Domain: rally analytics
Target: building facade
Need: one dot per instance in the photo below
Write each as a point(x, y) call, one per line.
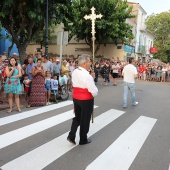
point(144, 38)
point(138, 48)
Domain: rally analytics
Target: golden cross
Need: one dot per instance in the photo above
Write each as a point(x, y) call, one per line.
point(93, 17)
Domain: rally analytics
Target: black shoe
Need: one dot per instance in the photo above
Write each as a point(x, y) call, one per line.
point(86, 142)
point(71, 141)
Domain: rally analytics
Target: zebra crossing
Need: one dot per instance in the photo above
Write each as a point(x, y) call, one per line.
point(113, 158)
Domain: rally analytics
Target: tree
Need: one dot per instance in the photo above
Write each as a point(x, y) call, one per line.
point(23, 19)
point(39, 38)
point(159, 25)
point(111, 28)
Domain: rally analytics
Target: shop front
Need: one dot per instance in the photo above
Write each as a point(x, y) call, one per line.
point(129, 52)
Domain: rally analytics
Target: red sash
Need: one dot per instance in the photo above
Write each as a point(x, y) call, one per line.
point(81, 94)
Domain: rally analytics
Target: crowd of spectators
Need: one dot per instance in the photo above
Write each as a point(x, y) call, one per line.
point(38, 78)
point(155, 72)
point(41, 76)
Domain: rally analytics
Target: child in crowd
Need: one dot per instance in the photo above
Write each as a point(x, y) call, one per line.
point(54, 86)
point(27, 83)
point(48, 87)
point(140, 70)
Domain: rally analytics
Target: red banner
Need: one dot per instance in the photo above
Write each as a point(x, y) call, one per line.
point(153, 49)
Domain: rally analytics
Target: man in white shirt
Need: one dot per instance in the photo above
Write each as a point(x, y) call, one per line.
point(129, 73)
point(84, 91)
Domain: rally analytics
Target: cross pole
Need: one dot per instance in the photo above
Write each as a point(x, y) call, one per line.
point(93, 17)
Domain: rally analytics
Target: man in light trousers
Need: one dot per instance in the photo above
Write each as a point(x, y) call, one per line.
point(129, 74)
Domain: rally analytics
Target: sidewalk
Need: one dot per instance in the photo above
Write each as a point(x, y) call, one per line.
point(4, 101)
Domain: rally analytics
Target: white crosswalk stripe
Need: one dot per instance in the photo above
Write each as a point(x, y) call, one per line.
point(114, 157)
point(30, 113)
point(19, 134)
point(45, 154)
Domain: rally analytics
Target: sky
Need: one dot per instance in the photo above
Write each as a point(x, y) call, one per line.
point(153, 6)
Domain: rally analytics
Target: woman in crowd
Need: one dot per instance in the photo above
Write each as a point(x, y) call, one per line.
point(164, 70)
point(65, 72)
point(12, 85)
point(149, 72)
point(158, 74)
point(37, 93)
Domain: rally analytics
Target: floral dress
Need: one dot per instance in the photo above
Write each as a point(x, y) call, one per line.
point(13, 85)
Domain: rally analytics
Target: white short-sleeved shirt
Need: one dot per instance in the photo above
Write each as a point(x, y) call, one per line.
point(129, 72)
point(82, 79)
point(116, 67)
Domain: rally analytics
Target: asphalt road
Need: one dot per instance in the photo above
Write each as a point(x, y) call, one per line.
point(135, 138)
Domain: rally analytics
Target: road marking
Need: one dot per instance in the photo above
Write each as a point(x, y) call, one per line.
point(121, 153)
point(34, 112)
point(22, 133)
point(42, 156)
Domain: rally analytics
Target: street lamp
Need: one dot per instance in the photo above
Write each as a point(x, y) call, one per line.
point(46, 30)
point(46, 27)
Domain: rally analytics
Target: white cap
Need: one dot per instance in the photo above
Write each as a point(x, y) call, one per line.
point(15, 54)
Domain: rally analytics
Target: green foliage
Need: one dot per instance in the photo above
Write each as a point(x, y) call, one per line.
point(39, 38)
point(23, 19)
point(111, 28)
point(159, 25)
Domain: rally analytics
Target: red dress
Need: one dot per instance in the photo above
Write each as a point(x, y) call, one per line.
point(37, 94)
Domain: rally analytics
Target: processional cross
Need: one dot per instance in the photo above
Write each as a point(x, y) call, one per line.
point(93, 17)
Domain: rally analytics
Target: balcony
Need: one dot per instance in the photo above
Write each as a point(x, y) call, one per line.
point(143, 28)
point(141, 49)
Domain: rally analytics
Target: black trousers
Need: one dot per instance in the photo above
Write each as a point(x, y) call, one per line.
point(83, 112)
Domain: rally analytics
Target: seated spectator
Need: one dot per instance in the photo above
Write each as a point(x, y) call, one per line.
point(64, 72)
